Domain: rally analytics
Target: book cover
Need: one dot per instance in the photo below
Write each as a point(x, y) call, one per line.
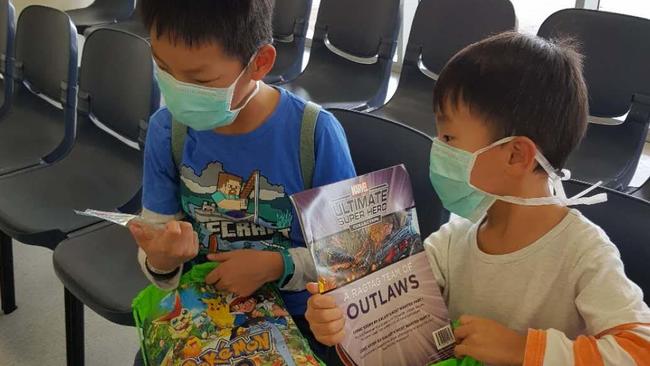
point(364, 237)
point(197, 325)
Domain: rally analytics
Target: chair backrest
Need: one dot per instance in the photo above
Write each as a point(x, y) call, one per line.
point(377, 143)
point(7, 34)
point(122, 7)
point(362, 28)
point(291, 18)
point(122, 93)
point(617, 55)
point(443, 27)
point(625, 220)
point(46, 53)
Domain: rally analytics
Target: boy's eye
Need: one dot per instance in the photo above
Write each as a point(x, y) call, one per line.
point(446, 138)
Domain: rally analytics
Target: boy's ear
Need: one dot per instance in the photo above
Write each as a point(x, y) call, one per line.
point(263, 62)
point(522, 155)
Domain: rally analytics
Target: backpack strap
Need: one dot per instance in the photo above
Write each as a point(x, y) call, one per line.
point(179, 132)
point(307, 143)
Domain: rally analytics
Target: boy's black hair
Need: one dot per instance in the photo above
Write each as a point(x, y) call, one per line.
point(239, 26)
point(522, 86)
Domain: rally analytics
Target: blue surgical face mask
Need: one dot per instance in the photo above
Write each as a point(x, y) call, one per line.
point(450, 170)
point(198, 107)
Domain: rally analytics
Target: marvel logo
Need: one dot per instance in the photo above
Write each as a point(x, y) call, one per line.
point(359, 188)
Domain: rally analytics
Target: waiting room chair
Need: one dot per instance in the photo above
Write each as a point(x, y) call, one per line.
point(440, 29)
point(617, 55)
point(351, 54)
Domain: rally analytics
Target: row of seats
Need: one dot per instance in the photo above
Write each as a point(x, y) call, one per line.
point(354, 45)
point(99, 165)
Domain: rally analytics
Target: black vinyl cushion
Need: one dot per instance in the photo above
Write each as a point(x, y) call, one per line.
point(376, 143)
point(31, 129)
point(100, 173)
point(617, 55)
point(101, 12)
point(412, 103)
point(43, 38)
point(335, 82)
point(101, 269)
point(625, 220)
point(359, 26)
point(440, 29)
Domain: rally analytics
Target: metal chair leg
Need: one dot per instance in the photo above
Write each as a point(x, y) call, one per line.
point(7, 289)
point(74, 329)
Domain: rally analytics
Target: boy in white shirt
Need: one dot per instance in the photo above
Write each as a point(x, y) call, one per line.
point(532, 281)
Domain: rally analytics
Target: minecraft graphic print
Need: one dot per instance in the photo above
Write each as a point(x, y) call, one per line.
point(231, 212)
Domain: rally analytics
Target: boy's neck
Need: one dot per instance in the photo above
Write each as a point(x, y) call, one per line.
point(510, 227)
point(256, 112)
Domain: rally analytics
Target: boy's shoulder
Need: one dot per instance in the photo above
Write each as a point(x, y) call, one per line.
point(585, 239)
point(294, 106)
point(160, 123)
point(457, 229)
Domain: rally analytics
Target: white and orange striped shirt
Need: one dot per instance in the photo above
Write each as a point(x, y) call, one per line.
point(567, 290)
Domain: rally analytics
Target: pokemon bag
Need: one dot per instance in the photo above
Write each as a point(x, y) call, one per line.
point(197, 325)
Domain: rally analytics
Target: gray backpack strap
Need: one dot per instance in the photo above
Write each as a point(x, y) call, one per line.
point(307, 143)
point(179, 132)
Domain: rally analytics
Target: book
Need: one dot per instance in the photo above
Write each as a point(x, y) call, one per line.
point(364, 238)
point(197, 325)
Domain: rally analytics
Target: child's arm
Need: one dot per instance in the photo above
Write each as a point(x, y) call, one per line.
point(616, 318)
point(333, 164)
point(162, 282)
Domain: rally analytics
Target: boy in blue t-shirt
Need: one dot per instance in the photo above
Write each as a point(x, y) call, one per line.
point(241, 155)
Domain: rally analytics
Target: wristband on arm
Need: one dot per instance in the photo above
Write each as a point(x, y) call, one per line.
point(157, 274)
point(289, 268)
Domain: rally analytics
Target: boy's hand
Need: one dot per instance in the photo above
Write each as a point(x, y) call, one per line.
point(325, 318)
point(489, 342)
point(244, 271)
point(168, 247)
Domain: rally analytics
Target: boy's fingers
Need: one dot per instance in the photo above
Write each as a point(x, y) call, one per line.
point(462, 332)
point(327, 328)
point(312, 287)
point(140, 232)
point(324, 315)
point(332, 340)
point(461, 351)
point(219, 257)
point(213, 277)
point(173, 228)
point(466, 319)
point(322, 302)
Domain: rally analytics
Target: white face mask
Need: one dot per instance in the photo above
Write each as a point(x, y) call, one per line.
point(450, 170)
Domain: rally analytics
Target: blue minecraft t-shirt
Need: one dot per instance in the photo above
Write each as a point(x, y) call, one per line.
point(235, 188)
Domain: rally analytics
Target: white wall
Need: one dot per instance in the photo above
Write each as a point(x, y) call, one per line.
point(59, 4)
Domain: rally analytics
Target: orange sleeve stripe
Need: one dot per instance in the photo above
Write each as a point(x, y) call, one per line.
point(635, 346)
point(586, 353)
point(535, 348)
point(628, 326)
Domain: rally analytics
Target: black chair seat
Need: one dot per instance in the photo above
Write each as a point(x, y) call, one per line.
point(643, 192)
point(598, 159)
point(288, 55)
point(322, 84)
point(101, 269)
point(31, 129)
point(99, 173)
point(376, 143)
point(84, 18)
point(412, 103)
point(133, 26)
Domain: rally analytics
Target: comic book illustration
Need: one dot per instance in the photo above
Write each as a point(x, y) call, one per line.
point(364, 237)
point(199, 325)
